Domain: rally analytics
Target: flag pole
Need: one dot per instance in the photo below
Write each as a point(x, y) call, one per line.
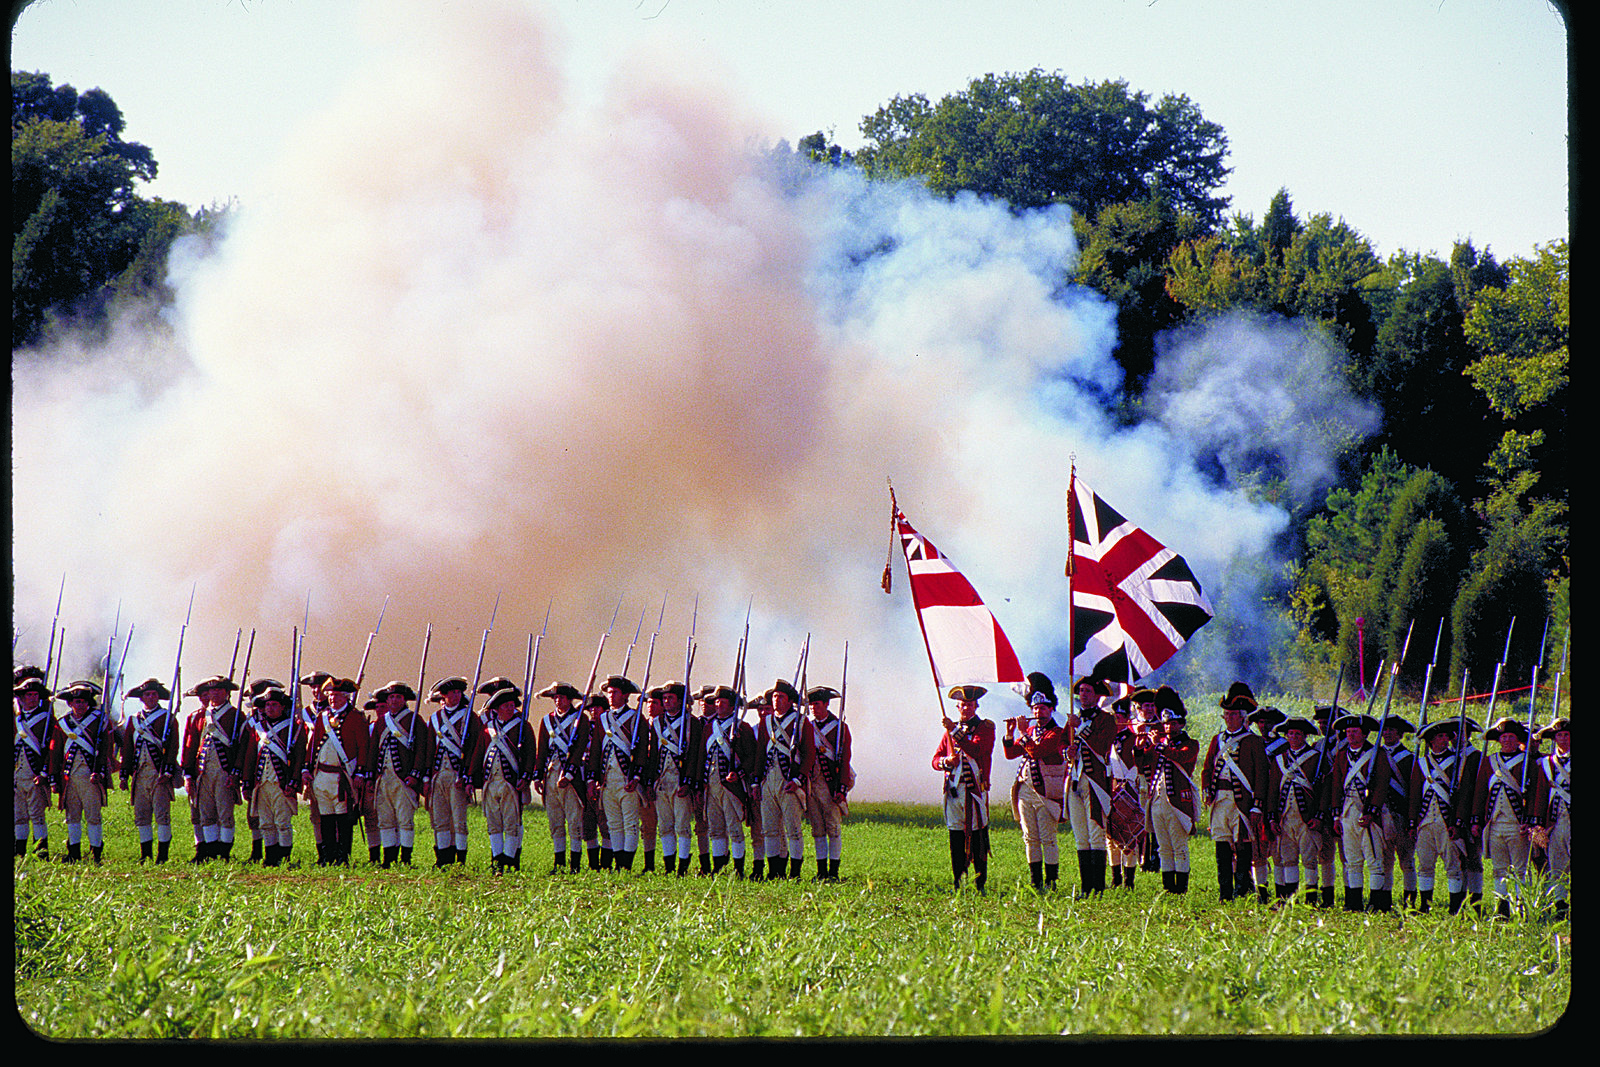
point(917, 608)
point(1072, 492)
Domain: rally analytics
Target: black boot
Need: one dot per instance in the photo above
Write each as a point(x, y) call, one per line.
point(257, 850)
point(822, 871)
point(1116, 876)
point(796, 864)
point(623, 858)
point(74, 853)
point(649, 861)
point(1127, 877)
point(389, 852)
point(608, 858)
point(442, 857)
point(1243, 876)
point(1168, 882)
point(1502, 908)
point(575, 862)
point(1425, 901)
point(161, 850)
point(146, 850)
point(833, 870)
point(96, 851)
point(41, 848)
point(1085, 880)
point(683, 866)
point(1224, 871)
point(1180, 879)
point(1352, 899)
point(738, 867)
point(594, 857)
point(756, 868)
point(1262, 896)
point(1327, 897)
point(705, 863)
point(1036, 875)
point(1051, 870)
point(405, 855)
point(958, 856)
point(374, 854)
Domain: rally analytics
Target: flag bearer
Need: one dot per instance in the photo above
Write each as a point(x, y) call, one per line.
point(1089, 794)
point(80, 764)
point(832, 777)
point(964, 754)
point(149, 750)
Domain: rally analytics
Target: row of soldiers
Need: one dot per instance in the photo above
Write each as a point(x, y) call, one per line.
point(611, 772)
point(1274, 801)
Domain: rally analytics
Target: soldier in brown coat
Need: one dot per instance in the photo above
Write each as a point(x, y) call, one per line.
point(1172, 793)
point(1500, 813)
point(456, 731)
point(505, 774)
point(274, 762)
point(784, 744)
point(559, 772)
point(148, 740)
point(618, 754)
point(1431, 812)
point(1347, 797)
point(1552, 809)
point(31, 715)
point(832, 777)
point(1294, 819)
point(730, 767)
point(1234, 781)
point(81, 745)
point(677, 756)
point(400, 762)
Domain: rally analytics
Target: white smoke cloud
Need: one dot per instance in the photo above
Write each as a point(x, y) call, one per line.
point(483, 343)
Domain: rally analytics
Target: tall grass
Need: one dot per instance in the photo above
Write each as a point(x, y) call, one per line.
point(238, 951)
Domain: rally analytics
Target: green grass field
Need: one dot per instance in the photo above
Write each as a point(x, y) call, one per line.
point(237, 951)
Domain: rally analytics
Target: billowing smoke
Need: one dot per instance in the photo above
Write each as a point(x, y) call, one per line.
point(484, 344)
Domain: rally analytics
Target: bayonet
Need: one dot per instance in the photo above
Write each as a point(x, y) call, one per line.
point(483, 647)
point(1427, 677)
point(361, 672)
point(50, 652)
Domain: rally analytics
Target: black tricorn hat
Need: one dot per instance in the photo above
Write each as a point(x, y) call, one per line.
point(1142, 695)
point(315, 679)
point(149, 685)
point(559, 689)
point(255, 688)
point(1097, 684)
point(673, 687)
point(31, 685)
point(617, 681)
point(783, 685)
point(1550, 731)
point(821, 692)
point(1446, 725)
point(502, 696)
point(216, 681)
point(1506, 725)
point(497, 683)
point(81, 690)
point(22, 674)
point(1269, 715)
point(1305, 726)
point(1366, 723)
point(1239, 697)
point(397, 687)
point(1167, 699)
point(957, 692)
point(1399, 722)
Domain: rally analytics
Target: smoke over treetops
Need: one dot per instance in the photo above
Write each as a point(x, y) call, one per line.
point(483, 343)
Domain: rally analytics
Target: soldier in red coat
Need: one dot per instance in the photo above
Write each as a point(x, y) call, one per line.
point(1172, 792)
point(213, 766)
point(1552, 809)
point(335, 777)
point(447, 788)
point(964, 755)
point(784, 744)
point(830, 781)
point(148, 743)
point(677, 756)
point(1039, 793)
point(505, 774)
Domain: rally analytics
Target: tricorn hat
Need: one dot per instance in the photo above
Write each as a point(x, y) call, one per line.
point(1446, 725)
point(783, 685)
point(1305, 726)
point(1239, 697)
point(255, 688)
point(1167, 699)
point(397, 687)
point(501, 696)
point(1400, 723)
point(820, 693)
point(1097, 684)
point(957, 692)
point(1366, 723)
point(217, 681)
point(1506, 725)
point(1269, 715)
point(81, 690)
point(618, 682)
point(1550, 731)
point(559, 689)
point(149, 685)
point(22, 674)
point(31, 685)
point(315, 679)
point(339, 685)
point(497, 683)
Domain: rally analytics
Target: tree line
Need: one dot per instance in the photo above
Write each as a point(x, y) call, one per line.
point(1455, 509)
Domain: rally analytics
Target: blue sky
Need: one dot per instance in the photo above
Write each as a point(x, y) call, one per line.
point(1417, 122)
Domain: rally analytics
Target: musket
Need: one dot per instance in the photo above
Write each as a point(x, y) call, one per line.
point(483, 647)
point(650, 654)
point(1461, 735)
point(244, 676)
point(800, 664)
point(294, 673)
point(361, 672)
point(688, 653)
point(55, 686)
point(533, 664)
point(1383, 721)
point(637, 630)
point(844, 679)
point(1533, 700)
point(233, 664)
point(1427, 677)
point(1372, 696)
point(422, 667)
point(1555, 696)
point(121, 663)
point(594, 668)
point(177, 666)
point(111, 652)
point(50, 652)
point(1333, 713)
point(738, 661)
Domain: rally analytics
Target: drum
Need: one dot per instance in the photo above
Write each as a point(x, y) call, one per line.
point(1125, 821)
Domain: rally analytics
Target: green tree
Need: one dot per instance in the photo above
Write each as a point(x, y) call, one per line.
point(1034, 139)
point(80, 234)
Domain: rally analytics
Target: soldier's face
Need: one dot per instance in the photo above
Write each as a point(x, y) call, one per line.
point(1147, 711)
point(968, 708)
point(1233, 719)
point(724, 707)
point(395, 702)
point(615, 697)
point(1439, 742)
point(213, 696)
point(1353, 736)
point(275, 710)
point(782, 703)
point(151, 700)
point(1391, 736)
point(1509, 743)
point(1563, 740)
point(29, 700)
point(79, 706)
point(819, 709)
point(1297, 739)
point(1088, 697)
point(672, 703)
